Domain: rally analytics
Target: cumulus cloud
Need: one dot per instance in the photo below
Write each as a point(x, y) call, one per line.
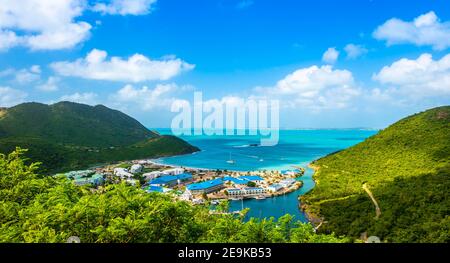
point(50, 85)
point(315, 88)
point(136, 68)
point(354, 51)
point(25, 76)
point(124, 7)
point(85, 98)
point(42, 24)
point(10, 97)
point(416, 78)
point(424, 30)
point(330, 56)
point(145, 98)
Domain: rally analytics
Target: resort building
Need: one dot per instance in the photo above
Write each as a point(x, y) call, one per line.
point(122, 172)
point(152, 175)
point(174, 171)
point(287, 182)
point(171, 180)
point(254, 190)
point(234, 180)
point(274, 188)
point(252, 178)
point(136, 168)
point(206, 187)
point(95, 180)
point(246, 191)
point(79, 174)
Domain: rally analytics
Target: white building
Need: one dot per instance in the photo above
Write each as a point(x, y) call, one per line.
point(274, 188)
point(136, 168)
point(287, 182)
point(152, 175)
point(174, 171)
point(186, 196)
point(122, 172)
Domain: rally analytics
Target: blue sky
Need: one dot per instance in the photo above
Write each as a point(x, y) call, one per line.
point(166, 49)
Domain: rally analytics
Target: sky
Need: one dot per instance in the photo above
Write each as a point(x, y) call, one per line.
point(331, 64)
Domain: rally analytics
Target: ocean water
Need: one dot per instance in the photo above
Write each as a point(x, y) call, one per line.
point(295, 147)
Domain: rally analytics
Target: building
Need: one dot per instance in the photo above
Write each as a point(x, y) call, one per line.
point(158, 189)
point(171, 180)
point(136, 168)
point(79, 174)
point(95, 180)
point(122, 172)
point(234, 180)
point(152, 175)
point(245, 191)
point(174, 171)
point(287, 182)
point(252, 178)
point(254, 190)
point(274, 187)
point(206, 187)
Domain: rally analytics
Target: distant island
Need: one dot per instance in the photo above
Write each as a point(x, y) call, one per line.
point(67, 136)
point(394, 185)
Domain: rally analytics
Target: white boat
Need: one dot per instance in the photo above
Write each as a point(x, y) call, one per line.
point(230, 161)
point(260, 197)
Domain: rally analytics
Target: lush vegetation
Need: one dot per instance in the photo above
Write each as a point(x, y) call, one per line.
point(66, 135)
point(407, 169)
point(36, 208)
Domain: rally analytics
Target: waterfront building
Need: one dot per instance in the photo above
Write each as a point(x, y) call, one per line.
point(274, 187)
point(290, 172)
point(171, 180)
point(287, 182)
point(254, 190)
point(206, 187)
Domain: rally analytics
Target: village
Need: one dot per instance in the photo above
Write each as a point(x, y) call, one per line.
point(193, 184)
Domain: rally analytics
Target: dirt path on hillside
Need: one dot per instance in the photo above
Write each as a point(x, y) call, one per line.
point(377, 208)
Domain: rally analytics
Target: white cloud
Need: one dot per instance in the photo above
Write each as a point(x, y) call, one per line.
point(50, 85)
point(85, 98)
point(416, 78)
point(124, 7)
point(330, 56)
point(8, 39)
point(145, 98)
point(10, 97)
point(42, 24)
point(354, 51)
point(424, 30)
point(136, 68)
point(315, 88)
point(32, 74)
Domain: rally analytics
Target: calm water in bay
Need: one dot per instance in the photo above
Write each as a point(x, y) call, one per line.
point(295, 147)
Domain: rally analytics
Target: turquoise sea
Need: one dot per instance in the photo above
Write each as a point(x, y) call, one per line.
point(295, 147)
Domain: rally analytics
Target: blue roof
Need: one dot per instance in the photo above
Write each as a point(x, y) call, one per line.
point(205, 185)
point(153, 188)
point(170, 178)
point(252, 178)
point(235, 180)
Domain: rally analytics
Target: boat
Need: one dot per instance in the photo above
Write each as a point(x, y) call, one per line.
point(230, 161)
point(260, 197)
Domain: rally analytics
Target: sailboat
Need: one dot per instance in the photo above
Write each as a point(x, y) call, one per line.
point(230, 161)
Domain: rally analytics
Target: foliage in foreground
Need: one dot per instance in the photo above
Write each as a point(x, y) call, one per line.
point(35, 208)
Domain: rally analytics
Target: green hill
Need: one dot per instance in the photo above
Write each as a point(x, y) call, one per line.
point(406, 167)
point(68, 135)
